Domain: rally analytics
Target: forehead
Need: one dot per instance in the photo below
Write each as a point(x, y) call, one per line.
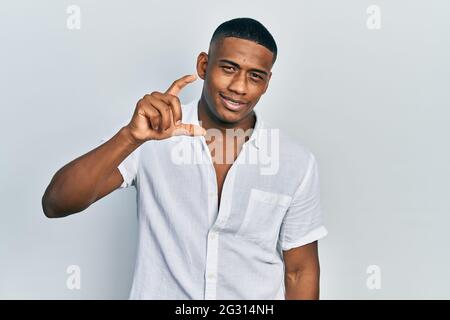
point(244, 52)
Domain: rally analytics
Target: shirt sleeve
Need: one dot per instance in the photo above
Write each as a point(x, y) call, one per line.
point(128, 168)
point(303, 222)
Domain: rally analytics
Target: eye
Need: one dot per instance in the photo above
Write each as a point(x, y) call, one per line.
point(228, 69)
point(255, 76)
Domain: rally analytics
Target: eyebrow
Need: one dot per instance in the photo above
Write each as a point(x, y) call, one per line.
point(238, 66)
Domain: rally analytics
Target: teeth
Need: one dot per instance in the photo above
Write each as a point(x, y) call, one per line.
point(234, 103)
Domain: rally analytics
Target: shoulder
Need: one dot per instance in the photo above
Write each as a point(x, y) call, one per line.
point(294, 157)
point(293, 150)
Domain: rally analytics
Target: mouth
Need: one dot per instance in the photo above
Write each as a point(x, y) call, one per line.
point(231, 104)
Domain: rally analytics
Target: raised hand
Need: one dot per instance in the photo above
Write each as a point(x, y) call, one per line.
point(158, 115)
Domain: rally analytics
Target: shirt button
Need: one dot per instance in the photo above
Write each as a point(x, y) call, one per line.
point(212, 236)
point(211, 276)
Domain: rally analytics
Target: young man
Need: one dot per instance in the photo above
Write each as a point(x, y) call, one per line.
point(220, 215)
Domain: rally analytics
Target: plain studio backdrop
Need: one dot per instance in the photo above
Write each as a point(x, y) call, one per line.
point(363, 84)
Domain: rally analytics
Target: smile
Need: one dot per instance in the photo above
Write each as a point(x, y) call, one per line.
point(232, 105)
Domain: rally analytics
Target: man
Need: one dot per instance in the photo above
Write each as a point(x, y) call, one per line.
point(209, 228)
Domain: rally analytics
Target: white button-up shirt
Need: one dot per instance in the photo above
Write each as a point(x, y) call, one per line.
point(188, 247)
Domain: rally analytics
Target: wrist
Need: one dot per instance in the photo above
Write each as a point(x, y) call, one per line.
point(129, 137)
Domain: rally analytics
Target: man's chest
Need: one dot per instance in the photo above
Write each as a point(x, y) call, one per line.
point(223, 155)
point(235, 196)
point(221, 171)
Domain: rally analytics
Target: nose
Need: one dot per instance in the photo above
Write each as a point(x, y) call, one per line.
point(239, 84)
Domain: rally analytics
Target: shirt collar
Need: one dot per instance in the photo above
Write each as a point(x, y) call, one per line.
point(191, 116)
point(256, 134)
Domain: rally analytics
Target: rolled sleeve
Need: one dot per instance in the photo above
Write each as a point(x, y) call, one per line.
point(129, 168)
point(303, 221)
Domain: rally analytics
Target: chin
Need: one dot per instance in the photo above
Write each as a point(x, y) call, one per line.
point(226, 115)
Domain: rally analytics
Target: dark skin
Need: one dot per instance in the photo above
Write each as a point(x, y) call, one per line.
point(237, 68)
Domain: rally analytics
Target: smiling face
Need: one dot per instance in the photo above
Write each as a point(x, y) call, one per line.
point(236, 74)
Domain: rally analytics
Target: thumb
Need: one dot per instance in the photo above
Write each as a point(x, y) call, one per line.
point(188, 129)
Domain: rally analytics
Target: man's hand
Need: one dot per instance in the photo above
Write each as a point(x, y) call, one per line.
point(158, 115)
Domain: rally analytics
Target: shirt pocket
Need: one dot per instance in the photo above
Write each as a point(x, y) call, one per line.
point(263, 216)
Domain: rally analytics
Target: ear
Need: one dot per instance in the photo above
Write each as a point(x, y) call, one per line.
point(267, 83)
point(202, 64)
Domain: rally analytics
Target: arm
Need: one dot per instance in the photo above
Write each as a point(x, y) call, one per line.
point(88, 178)
point(302, 272)
point(92, 176)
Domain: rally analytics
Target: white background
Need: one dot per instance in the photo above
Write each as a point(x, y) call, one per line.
point(372, 105)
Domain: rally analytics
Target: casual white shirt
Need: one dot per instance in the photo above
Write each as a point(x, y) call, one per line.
point(188, 248)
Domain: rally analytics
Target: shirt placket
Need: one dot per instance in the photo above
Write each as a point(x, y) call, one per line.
point(212, 246)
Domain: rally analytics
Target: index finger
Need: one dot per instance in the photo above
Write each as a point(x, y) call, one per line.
point(179, 84)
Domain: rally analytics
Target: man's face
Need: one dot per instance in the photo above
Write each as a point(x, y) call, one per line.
point(236, 74)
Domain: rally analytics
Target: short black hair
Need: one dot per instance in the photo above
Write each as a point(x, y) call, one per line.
point(248, 29)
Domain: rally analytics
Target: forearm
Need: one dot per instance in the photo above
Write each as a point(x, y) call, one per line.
point(302, 285)
point(75, 186)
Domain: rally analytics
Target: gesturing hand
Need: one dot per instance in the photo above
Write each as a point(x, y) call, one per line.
point(158, 115)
